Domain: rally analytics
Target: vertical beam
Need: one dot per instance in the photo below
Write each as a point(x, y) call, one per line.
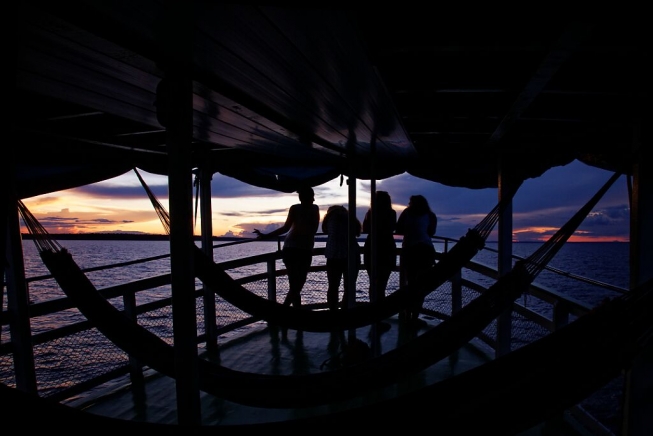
point(353, 254)
point(4, 227)
point(638, 390)
point(175, 112)
point(456, 292)
point(373, 224)
point(181, 237)
point(373, 288)
point(272, 279)
point(136, 375)
point(560, 315)
point(18, 302)
point(504, 321)
point(353, 250)
point(206, 216)
point(14, 270)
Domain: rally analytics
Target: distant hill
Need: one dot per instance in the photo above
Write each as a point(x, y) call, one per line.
point(137, 237)
point(119, 237)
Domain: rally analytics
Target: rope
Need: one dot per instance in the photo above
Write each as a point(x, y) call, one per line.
point(42, 239)
point(158, 207)
point(541, 257)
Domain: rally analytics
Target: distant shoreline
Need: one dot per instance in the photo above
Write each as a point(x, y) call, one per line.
point(121, 237)
point(134, 237)
point(153, 237)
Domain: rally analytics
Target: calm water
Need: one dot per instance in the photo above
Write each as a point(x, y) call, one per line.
point(605, 262)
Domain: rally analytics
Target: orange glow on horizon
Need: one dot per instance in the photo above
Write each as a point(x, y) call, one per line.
point(582, 238)
point(542, 234)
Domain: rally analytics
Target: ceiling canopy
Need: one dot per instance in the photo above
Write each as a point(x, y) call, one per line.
point(283, 97)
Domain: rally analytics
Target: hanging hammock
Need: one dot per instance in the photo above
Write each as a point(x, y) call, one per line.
point(276, 313)
point(525, 387)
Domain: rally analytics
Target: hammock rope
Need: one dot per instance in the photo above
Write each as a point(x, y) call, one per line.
point(41, 237)
point(541, 257)
point(164, 216)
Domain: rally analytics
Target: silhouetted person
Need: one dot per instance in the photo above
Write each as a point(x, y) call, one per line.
point(385, 248)
point(417, 223)
point(336, 226)
point(297, 253)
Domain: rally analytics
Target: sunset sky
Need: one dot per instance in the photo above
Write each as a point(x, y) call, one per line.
point(540, 207)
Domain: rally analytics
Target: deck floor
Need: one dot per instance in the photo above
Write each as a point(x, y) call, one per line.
point(273, 351)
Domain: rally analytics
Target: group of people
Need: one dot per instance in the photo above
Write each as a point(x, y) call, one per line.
point(417, 223)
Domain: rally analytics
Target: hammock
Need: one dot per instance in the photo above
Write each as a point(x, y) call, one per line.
point(451, 334)
point(329, 320)
point(309, 389)
point(515, 392)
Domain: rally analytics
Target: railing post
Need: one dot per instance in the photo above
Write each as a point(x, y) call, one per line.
point(456, 292)
point(135, 367)
point(507, 186)
point(560, 315)
point(272, 279)
point(204, 177)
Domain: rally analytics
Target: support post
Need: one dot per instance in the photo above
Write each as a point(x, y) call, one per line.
point(353, 254)
point(353, 250)
point(504, 321)
point(560, 315)
point(638, 389)
point(272, 279)
point(373, 224)
point(181, 237)
point(206, 216)
point(456, 292)
point(18, 302)
point(175, 112)
point(135, 366)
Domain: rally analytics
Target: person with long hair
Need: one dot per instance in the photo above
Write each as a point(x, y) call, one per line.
point(339, 235)
point(301, 225)
point(384, 244)
point(417, 223)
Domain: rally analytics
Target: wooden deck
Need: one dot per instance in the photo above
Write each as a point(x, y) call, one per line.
point(273, 351)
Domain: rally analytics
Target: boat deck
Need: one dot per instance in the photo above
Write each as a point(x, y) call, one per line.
point(275, 351)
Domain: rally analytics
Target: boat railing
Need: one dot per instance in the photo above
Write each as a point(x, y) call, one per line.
point(64, 367)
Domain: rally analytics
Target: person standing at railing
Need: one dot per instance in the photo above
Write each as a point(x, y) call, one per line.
point(339, 234)
point(417, 223)
point(301, 226)
point(384, 246)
